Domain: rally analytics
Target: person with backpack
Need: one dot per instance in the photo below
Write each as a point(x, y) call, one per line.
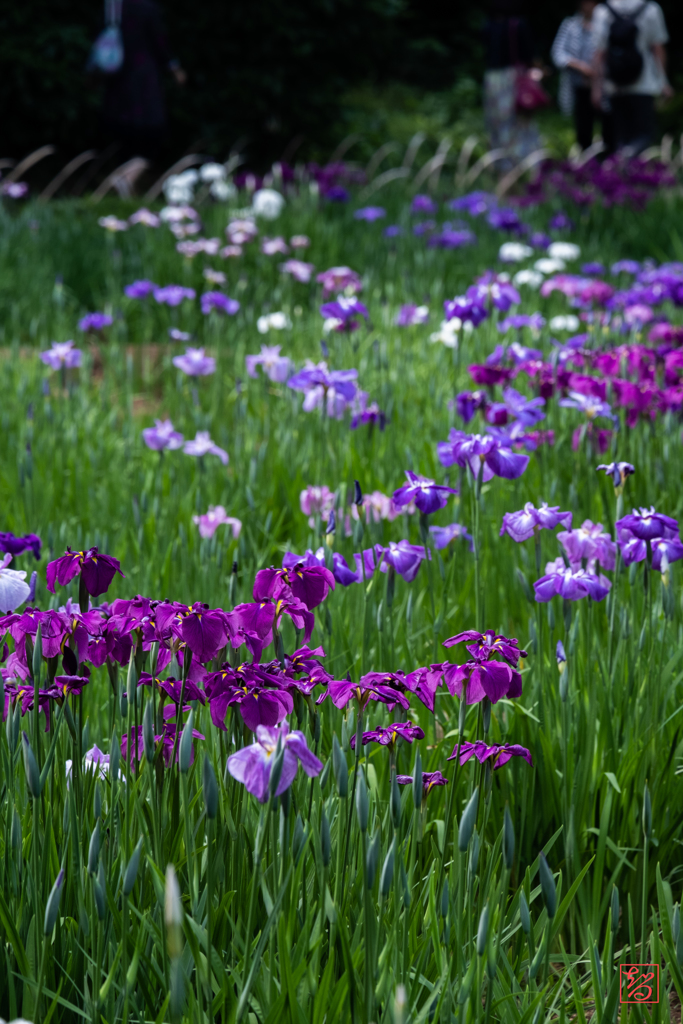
point(572, 53)
point(630, 68)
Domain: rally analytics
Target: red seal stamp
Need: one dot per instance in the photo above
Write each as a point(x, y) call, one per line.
point(639, 983)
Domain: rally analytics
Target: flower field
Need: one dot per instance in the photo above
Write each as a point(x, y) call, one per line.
point(340, 613)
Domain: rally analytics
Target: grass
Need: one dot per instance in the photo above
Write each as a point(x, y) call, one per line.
point(292, 910)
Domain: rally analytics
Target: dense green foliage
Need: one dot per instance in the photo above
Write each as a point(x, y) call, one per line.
point(281, 894)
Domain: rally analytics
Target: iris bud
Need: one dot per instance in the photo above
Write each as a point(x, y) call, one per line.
point(341, 772)
point(474, 855)
point(132, 870)
point(132, 682)
point(547, 886)
point(508, 840)
point(97, 800)
point(372, 860)
point(52, 905)
point(325, 839)
point(395, 801)
point(94, 849)
point(417, 781)
point(31, 768)
point(298, 838)
point(37, 658)
point(362, 803)
point(98, 885)
point(482, 931)
point(114, 757)
point(524, 913)
point(148, 732)
point(185, 745)
point(210, 788)
point(615, 909)
point(467, 822)
point(173, 915)
point(387, 875)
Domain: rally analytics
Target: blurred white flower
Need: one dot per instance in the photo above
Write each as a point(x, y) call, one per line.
point(267, 203)
point(212, 172)
point(514, 252)
point(549, 266)
point(569, 322)
point(564, 251)
point(112, 223)
point(532, 278)
point(448, 332)
point(223, 190)
point(273, 322)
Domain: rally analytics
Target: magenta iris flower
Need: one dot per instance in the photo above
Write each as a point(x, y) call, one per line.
point(218, 302)
point(528, 521)
point(445, 535)
point(62, 354)
point(308, 584)
point(258, 705)
point(341, 691)
point(485, 645)
point(340, 568)
point(203, 445)
point(173, 294)
point(162, 435)
point(96, 570)
point(252, 765)
point(12, 545)
point(572, 583)
point(427, 495)
point(499, 753)
point(388, 736)
point(487, 678)
point(483, 454)
point(140, 289)
point(93, 322)
point(195, 363)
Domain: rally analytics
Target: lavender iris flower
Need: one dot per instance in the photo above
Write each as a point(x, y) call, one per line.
point(528, 411)
point(203, 445)
point(588, 543)
point(370, 213)
point(588, 404)
point(451, 238)
point(528, 521)
point(340, 279)
point(62, 354)
point(12, 545)
point(499, 753)
point(444, 535)
point(625, 267)
point(501, 294)
point(161, 436)
point(427, 495)
point(571, 583)
point(298, 269)
point(94, 322)
point(140, 289)
point(339, 315)
point(218, 302)
point(194, 363)
point(387, 736)
point(13, 588)
point(423, 204)
point(252, 765)
point(483, 454)
point(173, 294)
point(393, 231)
point(334, 388)
point(403, 557)
point(593, 269)
point(276, 367)
point(474, 203)
point(534, 320)
point(409, 315)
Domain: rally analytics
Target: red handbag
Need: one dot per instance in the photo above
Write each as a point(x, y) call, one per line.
point(529, 93)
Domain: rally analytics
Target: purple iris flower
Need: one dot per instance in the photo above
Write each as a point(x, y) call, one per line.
point(571, 583)
point(12, 545)
point(528, 521)
point(388, 736)
point(276, 367)
point(173, 294)
point(219, 302)
point(539, 240)
point(503, 219)
point(96, 570)
point(482, 646)
point(423, 204)
point(370, 213)
point(403, 557)
point(588, 542)
point(343, 310)
point(465, 308)
point(393, 231)
point(341, 691)
point(204, 631)
point(429, 780)
point(194, 363)
point(593, 269)
point(139, 289)
point(646, 524)
point(334, 388)
point(625, 267)
point(340, 569)
point(489, 288)
point(618, 471)
point(560, 222)
point(483, 454)
point(450, 238)
point(467, 403)
point(161, 436)
point(93, 322)
point(588, 404)
point(203, 445)
point(528, 411)
point(252, 765)
point(669, 548)
point(62, 354)
point(337, 194)
point(427, 495)
point(410, 314)
point(474, 203)
point(479, 679)
point(500, 753)
point(309, 584)
point(534, 320)
point(444, 535)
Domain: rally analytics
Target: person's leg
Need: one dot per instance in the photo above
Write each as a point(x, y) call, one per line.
point(608, 135)
point(622, 113)
point(643, 122)
point(583, 117)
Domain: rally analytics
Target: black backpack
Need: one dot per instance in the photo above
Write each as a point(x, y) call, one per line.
point(624, 61)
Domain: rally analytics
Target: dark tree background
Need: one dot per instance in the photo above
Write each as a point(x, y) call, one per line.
point(263, 70)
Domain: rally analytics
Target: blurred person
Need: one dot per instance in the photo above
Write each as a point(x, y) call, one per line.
point(134, 110)
point(509, 60)
point(573, 53)
point(629, 67)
